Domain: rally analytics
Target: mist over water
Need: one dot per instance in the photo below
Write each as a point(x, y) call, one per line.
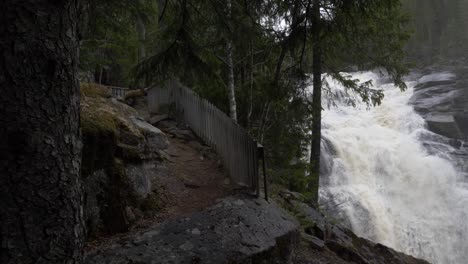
point(391, 180)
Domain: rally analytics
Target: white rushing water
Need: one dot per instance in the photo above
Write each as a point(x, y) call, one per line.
point(387, 185)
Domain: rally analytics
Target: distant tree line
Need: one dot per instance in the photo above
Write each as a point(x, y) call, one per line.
point(440, 30)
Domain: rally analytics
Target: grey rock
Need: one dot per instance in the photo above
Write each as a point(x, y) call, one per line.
point(442, 100)
point(320, 233)
point(461, 119)
point(146, 177)
point(156, 139)
point(429, 84)
point(93, 186)
point(155, 119)
point(183, 134)
point(290, 195)
point(313, 241)
point(444, 125)
point(130, 215)
point(196, 232)
point(345, 252)
point(167, 124)
point(253, 231)
point(140, 177)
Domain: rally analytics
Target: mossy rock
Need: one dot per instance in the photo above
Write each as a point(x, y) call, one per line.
point(99, 141)
point(105, 124)
point(98, 123)
point(94, 90)
point(151, 202)
point(132, 94)
point(128, 153)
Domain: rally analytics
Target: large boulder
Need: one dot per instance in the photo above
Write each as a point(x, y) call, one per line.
point(444, 125)
point(120, 156)
point(236, 230)
point(442, 100)
point(323, 235)
point(155, 138)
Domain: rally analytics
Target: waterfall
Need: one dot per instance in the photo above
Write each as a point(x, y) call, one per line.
point(390, 179)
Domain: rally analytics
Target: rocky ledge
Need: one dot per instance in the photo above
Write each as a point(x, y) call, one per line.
point(441, 97)
point(236, 230)
point(240, 229)
point(121, 163)
point(325, 241)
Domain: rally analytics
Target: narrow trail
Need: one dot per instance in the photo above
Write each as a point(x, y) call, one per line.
point(195, 178)
point(201, 174)
point(194, 181)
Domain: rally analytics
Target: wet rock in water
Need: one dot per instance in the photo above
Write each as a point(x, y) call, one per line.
point(461, 120)
point(444, 125)
point(321, 233)
point(429, 84)
point(442, 100)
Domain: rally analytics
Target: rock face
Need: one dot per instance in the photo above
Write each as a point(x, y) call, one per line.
point(441, 97)
point(334, 243)
point(121, 163)
point(155, 138)
point(236, 230)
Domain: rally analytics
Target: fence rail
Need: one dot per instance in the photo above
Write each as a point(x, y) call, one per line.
point(238, 151)
point(118, 92)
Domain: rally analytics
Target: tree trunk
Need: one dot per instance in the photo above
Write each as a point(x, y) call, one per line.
point(251, 84)
point(316, 102)
point(230, 65)
point(141, 29)
point(40, 146)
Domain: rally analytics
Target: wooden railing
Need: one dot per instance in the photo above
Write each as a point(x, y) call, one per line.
point(118, 92)
point(238, 151)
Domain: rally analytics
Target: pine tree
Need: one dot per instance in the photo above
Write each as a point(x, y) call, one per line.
point(40, 144)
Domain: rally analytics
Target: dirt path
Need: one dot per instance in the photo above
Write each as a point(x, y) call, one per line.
point(200, 173)
point(194, 181)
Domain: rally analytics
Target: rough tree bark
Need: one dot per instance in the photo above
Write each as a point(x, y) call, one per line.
point(141, 29)
point(316, 102)
point(230, 65)
point(40, 145)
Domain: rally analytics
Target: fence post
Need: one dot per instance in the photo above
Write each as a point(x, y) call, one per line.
point(261, 154)
point(239, 152)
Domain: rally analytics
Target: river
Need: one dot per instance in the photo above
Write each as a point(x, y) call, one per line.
point(390, 179)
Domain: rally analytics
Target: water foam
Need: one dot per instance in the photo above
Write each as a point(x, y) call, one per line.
point(387, 184)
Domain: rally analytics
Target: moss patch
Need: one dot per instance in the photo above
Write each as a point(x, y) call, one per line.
point(94, 90)
point(99, 140)
point(151, 202)
point(135, 94)
point(98, 123)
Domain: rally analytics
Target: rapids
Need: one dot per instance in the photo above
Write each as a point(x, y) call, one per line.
point(390, 179)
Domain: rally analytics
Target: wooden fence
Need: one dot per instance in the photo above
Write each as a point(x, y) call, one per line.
point(238, 151)
point(118, 92)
